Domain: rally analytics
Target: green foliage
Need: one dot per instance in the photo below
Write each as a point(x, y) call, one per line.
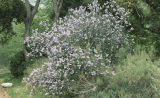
point(18, 64)
point(157, 47)
point(64, 10)
point(137, 77)
point(121, 55)
point(67, 4)
point(145, 20)
point(37, 20)
point(14, 45)
point(18, 90)
point(36, 63)
point(11, 10)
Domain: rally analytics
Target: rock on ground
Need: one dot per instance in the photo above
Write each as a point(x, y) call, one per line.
point(6, 85)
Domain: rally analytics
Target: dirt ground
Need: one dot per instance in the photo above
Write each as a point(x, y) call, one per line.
point(3, 93)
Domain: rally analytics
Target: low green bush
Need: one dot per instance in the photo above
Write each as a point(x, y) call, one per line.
point(18, 64)
point(137, 77)
point(157, 47)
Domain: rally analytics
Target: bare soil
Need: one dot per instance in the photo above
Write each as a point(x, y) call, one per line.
point(3, 93)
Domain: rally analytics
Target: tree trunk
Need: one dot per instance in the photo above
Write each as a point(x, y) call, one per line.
point(28, 22)
point(26, 34)
point(56, 16)
point(57, 4)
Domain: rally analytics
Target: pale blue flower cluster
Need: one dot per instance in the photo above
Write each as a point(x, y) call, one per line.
point(82, 43)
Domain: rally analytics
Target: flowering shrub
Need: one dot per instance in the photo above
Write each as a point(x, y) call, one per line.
point(65, 67)
point(101, 27)
point(82, 43)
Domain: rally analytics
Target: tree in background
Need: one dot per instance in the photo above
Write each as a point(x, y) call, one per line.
point(155, 22)
point(10, 11)
point(145, 20)
point(57, 4)
point(59, 8)
point(16, 11)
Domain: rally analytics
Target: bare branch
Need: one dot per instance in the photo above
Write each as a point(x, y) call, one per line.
point(35, 7)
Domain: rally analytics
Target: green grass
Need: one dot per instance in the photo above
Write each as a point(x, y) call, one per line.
point(132, 70)
point(136, 77)
point(18, 90)
point(14, 45)
point(6, 52)
point(36, 63)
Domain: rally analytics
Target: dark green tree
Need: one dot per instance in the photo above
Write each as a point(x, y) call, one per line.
point(16, 11)
point(145, 18)
point(155, 22)
point(10, 11)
